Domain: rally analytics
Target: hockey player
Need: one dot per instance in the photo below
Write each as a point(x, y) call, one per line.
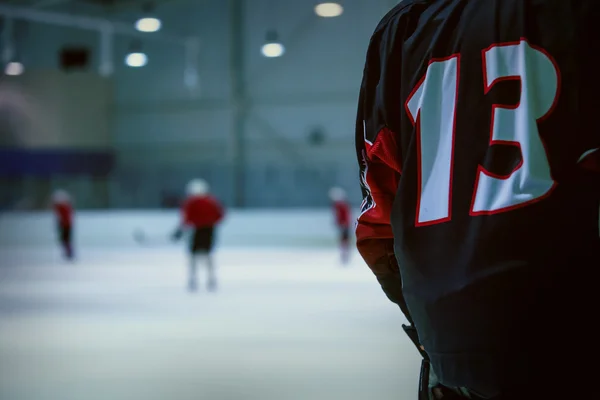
point(201, 212)
point(342, 214)
point(478, 144)
point(63, 211)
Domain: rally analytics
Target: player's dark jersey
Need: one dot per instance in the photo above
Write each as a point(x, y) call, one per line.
point(476, 121)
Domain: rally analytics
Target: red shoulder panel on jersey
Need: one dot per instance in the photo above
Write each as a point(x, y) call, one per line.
point(385, 149)
point(201, 212)
point(381, 170)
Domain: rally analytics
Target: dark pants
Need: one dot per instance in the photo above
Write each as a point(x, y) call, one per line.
point(344, 235)
point(202, 240)
point(344, 238)
point(65, 238)
point(201, 243)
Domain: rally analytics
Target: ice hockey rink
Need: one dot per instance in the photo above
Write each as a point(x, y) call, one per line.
point(288, 321)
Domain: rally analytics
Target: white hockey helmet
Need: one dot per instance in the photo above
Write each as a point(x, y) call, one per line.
point(61, 196)
point(197, 187)
point(337, 194)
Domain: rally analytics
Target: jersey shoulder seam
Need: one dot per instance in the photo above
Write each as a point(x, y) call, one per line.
point(394, 13)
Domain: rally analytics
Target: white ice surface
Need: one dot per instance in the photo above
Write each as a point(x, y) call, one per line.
point(286, 324)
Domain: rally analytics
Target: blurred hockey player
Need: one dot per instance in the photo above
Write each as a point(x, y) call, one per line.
point(201, 213)
point(63, 211)
point(342, 213)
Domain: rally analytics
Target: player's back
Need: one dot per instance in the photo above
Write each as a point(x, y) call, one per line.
point(202, 211)
point(493, 104)
point(342, 213)
point(64, 212)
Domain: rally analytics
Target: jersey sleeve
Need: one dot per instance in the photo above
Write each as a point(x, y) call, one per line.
point(186, 211)
point(220, 211)
point(379, 161)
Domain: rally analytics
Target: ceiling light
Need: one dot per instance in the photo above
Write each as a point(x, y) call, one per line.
point(14, 68)
point(136, 59)
point(273, 50)
point(148, 24)
point(272, 47)
point(329, 10)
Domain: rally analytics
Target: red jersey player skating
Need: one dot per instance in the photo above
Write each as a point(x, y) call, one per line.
point(342, 213)
point(63, 211)
point(201, 212)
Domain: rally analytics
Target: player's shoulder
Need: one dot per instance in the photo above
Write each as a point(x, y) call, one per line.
point(396, 16)
point(209, 199)
point(398, 11)
point(384, 45)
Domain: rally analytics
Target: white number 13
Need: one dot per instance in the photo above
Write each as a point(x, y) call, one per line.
point(432, 108)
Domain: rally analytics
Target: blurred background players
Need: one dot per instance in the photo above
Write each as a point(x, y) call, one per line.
point(201, 212)
point(63, 210)
point(341, 209)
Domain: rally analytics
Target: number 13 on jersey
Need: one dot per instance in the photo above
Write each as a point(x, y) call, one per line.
point(432, 108)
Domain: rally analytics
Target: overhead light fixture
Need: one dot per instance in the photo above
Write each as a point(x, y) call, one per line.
point(272, 47)
point(149, 22)
point(136, 57)
point(136, 60)
point(273, 50)
point(14, 68)
point(329, 10)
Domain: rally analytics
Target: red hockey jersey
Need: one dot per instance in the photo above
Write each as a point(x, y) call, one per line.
point(202, 211)
point(342, 214)
point(64, 213)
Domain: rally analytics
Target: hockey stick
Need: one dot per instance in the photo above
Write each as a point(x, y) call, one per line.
point(143, 239)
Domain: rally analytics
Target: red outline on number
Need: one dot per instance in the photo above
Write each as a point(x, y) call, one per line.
point(487, 88)
point(417, 123)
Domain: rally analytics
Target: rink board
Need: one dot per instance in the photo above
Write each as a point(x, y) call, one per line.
point(303, 228)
